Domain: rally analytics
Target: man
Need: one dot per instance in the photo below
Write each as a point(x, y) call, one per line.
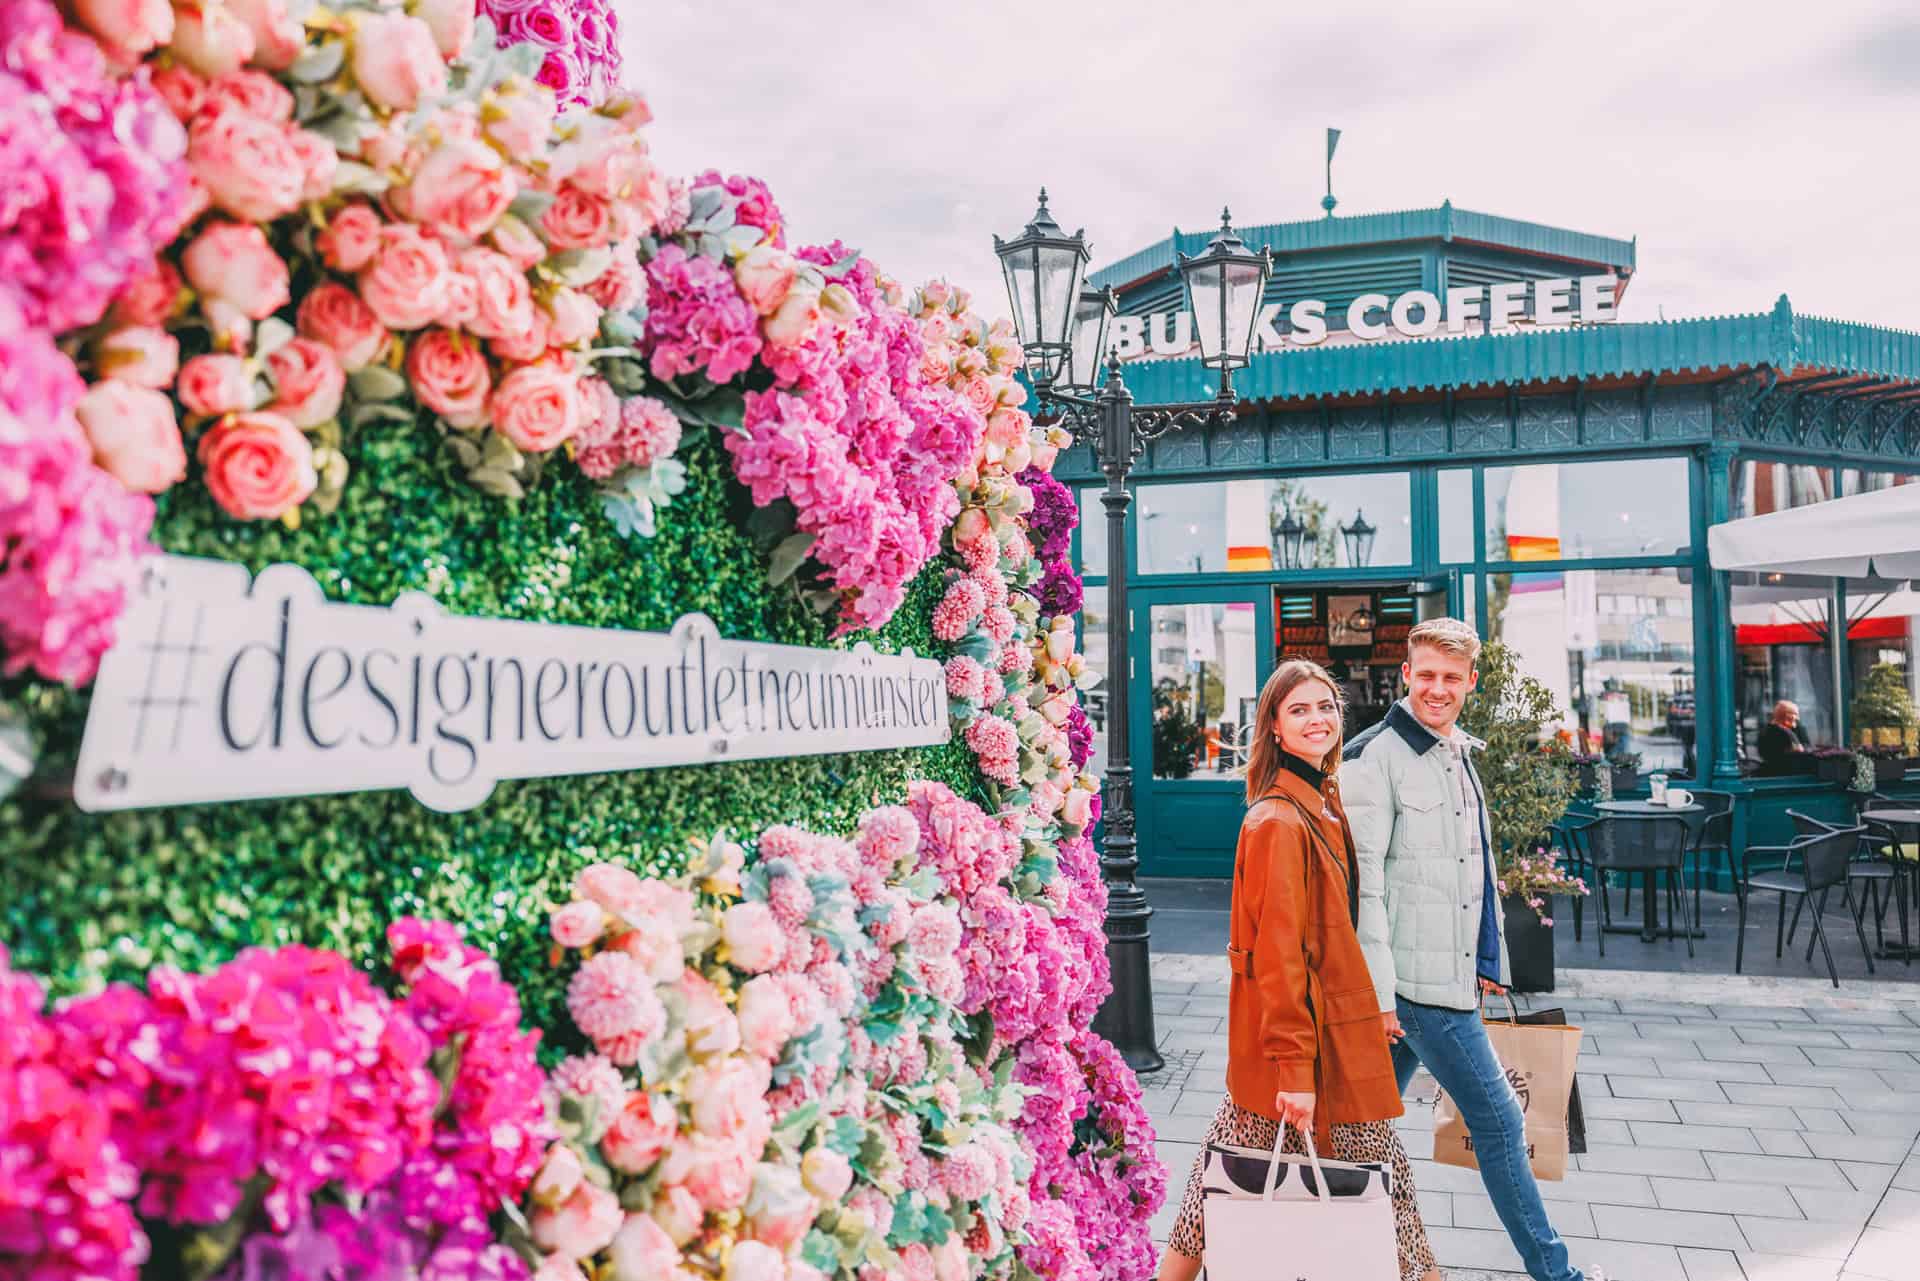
point(1781, 739)
point(1426, 866)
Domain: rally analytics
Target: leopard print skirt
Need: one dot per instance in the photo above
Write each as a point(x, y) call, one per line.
point(1372, 1141)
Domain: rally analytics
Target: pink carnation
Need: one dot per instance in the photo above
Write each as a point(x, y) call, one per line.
point(610, 996)
point(646, 431)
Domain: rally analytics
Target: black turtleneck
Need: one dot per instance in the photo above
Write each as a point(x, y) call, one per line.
point(1316, 779)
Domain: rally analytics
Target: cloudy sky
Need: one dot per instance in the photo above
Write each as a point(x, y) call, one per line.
point(1754, 147)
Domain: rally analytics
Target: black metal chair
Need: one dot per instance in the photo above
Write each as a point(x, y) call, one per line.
point(1824, 859)
point(1569, 841)
point(1875, 862)
point(1714, 838)
point(1649, 845)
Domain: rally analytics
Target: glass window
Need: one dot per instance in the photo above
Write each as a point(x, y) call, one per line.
point(1093, 643)
point(1572, 511)
point(1855, 480)
point(1252, 526)
point(1760, 486)
point(1883, 629)
point(1782, 654)
point(1092, 533)
point(1456, 514)
point(1621, 674)
point(1205, 687)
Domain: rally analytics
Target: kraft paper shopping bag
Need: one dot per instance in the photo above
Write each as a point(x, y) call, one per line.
point(1540, 1061)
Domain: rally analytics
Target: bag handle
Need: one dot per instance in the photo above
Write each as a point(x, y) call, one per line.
point(1273, 1165)
point(1512, 1009)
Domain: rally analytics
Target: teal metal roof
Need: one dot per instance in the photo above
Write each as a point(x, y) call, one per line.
point(1443, 223)
point(1777, 339)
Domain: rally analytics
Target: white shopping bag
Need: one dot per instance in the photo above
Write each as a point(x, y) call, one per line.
point(1270, 1216)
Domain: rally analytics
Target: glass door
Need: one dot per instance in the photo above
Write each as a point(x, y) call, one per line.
point(1200, 655)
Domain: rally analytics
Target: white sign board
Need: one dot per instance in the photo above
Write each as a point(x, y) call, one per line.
point(224, 687)
point(1417, 313)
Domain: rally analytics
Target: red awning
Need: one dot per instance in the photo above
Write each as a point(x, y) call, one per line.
point(1894, 628)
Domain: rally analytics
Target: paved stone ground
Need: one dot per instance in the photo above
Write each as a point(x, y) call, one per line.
point(1738, 1130)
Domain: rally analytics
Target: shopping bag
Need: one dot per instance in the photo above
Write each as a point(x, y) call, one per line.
point(1539, 1059)
point(1269, 1215)
point(1576, 1115)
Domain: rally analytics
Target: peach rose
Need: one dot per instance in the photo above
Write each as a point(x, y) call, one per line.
point(463, 301)
point(230, 328)
point(518, 117)
point(711, 1027)
point(406, 283)
point(149, 298)
point(826, 1173)
point(183, 91)
point(216, 384)
point(720, 1174)
point(572, 317)
point(765, 1015)
point(144, 355)
point(537, 407)
point(642, 1251)
point(728, 1097)
point(232, 262)
point(461, 190)
point(640, 1135)
point(134, 436)
point(396, 60)
point(319, 163)
point(779, 1209)
point(755, 1261)
point(211, 39)
point(559, 1175)
point(258, 466)
point(577, 924)
point(765, 276)
point(577, 219)
point(1078, 809)
point(679, 1212)
point(351, 239)
point(582, 1225)
point(518, 242)
point(334, 316)
point(449, 373)
point(615, 888)
point(503, 301)
point(451, 22)
point(253, 93)
point(308, 382)
point(278, 36)
point(622, 284)
point(527, 345)
point(799, 314)
point(130, 28)
point(752, 936)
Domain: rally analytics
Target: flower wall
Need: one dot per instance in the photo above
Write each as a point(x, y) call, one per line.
point(395, 291)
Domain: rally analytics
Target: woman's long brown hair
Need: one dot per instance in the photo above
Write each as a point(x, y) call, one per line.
point(1263, 754)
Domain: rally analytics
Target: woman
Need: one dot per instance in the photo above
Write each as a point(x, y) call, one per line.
point(1306, 1043)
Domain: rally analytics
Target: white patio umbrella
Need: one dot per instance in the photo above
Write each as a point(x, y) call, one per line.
point(1873, 535)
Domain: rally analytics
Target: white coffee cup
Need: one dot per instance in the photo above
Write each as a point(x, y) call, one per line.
point(1678, 797)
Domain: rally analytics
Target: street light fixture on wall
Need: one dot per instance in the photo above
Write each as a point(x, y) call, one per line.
point(1053, 315)
point(1292, 530)
point(1359, 538)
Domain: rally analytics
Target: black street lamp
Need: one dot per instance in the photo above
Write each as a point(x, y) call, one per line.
point(1359, 539)
point(1291, 531)
point(1053, 315)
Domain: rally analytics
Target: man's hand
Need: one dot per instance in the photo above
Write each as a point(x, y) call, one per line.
point(1390, 1021)
point(1489, 988)
point(1295, 1109)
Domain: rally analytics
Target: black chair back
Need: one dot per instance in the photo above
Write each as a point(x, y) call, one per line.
point(1619, 843)
point(1827, 858)
point(1807, 825)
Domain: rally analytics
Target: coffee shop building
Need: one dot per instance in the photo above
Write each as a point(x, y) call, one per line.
point(1443, 415)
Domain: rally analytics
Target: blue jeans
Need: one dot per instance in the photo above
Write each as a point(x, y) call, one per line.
point(1455, 1049)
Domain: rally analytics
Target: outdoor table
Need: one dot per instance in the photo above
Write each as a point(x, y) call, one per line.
point(1649, 928)
point(1906, 824)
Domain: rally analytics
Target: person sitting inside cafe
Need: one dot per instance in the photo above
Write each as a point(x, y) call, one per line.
point(1782, 739)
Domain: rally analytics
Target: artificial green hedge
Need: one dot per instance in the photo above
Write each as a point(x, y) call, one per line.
point(89, 898)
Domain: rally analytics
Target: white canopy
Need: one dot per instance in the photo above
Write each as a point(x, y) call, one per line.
point(1867, 535)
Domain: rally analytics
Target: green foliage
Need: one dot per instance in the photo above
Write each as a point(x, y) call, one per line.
point(1177, 738)
point(1528, 774)
point(92, 898)
point(1882, 700)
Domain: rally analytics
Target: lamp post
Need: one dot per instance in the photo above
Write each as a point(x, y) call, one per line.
point(1063, 328)
point(1291, 531)
point(1359, 538)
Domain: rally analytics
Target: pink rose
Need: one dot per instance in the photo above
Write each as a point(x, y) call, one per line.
point(826, 1173)
point(319, 163)
point(615, 888)
point(130, 28)
point(656, 946)
point(972, 526)
point(230, 328)
point(216, 384)
point(558, 1177)
point(950, 1259)
point(518, 116)
point(451, 22)
point(334, 316)
point(558, 1267)
point(524, 346)
point(1078, 810)
point(679, 1213)
point(640, 1134)
point(396, 60)
point(779, 1210)
point(134, 436)
point(518, 242)
point(406, 283)
point(449, 373)
point(150, 298)
point(798, 316)
point(278, 36)
point(183, 91)
point(258, 466)
point(503, 301)
point(577, 924)
point(621, 285)
point(143, 355)
point(642, 1251)
point(211, 39)
point(460, 190)
point(233, 263)
point(573, 317)
point(308, 382)
point(765, 276)
point(537, 407)
point(389, 146)
point(752, 937)
point(766, 1017)
point(720, 1173)
point(577, 219)
point(351, 239)
point(582, 1225)
point(252, 93)
point(755, 1261)
point(728, 1098)
point(712, 1028)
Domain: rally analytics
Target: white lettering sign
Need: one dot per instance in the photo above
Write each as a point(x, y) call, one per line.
point(222, 689)
point(1418, 313)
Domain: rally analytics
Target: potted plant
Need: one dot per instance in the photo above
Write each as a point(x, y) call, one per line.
point(1528, 883)
point(1883, 765)
point(1882, 711)
point(1625, 770)
point(1832, 764)
point(1587, 770)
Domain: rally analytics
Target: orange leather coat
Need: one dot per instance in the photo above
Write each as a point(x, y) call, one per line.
point(1302, 1014)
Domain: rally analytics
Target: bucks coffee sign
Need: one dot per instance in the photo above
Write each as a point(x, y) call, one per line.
point(226, 687)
